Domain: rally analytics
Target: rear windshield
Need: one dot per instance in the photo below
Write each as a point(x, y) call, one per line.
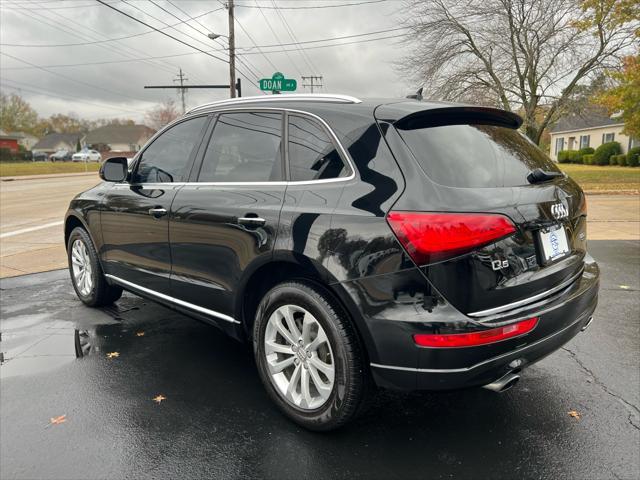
point(474, 156)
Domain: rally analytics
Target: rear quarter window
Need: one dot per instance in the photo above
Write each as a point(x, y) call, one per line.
point(475, 156)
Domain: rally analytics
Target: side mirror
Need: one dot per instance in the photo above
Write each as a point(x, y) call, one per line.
point(114, 169)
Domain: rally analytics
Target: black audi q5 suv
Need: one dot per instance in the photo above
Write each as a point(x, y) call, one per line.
point(393, 243)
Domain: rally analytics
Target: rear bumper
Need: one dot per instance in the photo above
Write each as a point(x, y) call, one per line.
point(396, 362)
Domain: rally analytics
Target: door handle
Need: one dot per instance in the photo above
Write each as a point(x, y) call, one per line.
point(251, 221)
point(157, 212)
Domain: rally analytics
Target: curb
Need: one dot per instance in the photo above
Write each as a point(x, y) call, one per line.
point(47, 175)
point(612, 192)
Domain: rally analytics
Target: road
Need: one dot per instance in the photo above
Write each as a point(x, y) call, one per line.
point(217, 421)
point(32, 212)
point(31, 235)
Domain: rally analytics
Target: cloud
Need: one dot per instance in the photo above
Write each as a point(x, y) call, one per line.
point(92, 91)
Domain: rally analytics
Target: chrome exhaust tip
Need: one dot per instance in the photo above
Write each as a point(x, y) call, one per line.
point(504, 383)
point(587, 325)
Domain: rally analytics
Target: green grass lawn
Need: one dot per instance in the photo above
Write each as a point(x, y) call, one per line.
point(11, 169)
point(590, 177)
point(593, 177)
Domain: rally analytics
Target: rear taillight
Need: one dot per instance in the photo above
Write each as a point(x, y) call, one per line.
point(475, 338)
point(432, 237)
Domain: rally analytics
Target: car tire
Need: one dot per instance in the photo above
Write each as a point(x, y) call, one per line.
point(87, 277)
point(314, 406)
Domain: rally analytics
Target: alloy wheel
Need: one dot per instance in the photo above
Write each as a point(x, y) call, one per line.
point(299, 357)
point(81, 267)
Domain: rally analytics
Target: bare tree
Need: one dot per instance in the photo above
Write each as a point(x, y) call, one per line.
point(163, 114)
point(521, 55)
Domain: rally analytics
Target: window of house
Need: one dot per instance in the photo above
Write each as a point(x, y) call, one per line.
point(244, 147)
point(584, 141)
point(633, 142)
point(312, 154)
point(167, 158)
point(608, 137)
point(559, 144)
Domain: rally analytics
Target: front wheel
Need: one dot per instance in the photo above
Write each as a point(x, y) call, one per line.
point(87, 277)
point(309, 357)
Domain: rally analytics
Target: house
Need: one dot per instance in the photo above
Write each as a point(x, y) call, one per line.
point(27, 140)
point(13, 140)
point(9, 141)
point(591, 129)
point(119, 138)
point(57, 141)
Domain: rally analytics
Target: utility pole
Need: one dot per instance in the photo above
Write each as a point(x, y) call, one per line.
point(312, 78)
point(181, 78)
point(232, 51)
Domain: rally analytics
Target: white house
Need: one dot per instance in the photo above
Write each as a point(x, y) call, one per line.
point(591, 129)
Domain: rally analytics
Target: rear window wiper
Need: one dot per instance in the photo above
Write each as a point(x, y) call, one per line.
point(538, 175)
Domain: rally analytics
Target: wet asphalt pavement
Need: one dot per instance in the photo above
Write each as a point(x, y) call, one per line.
point(217, 421)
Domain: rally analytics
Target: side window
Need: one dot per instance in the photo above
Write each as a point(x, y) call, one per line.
point(244, 147)
point(167, 158)
point(312, 154)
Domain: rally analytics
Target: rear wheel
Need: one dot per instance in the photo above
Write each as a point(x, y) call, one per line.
point(87, 277)
point(309, 356)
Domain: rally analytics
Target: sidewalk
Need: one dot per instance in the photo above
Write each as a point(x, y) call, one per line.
point(47, 175)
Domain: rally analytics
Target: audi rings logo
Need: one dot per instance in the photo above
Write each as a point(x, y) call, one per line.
point(559, 211)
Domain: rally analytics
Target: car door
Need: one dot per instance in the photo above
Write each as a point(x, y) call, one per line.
point(225, 221)
point(134, 218)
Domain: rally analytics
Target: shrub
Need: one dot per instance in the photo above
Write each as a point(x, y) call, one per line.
point(604, 152)
point(569, 156)
point(582, 152)
point(633, 157)
point(587, 159)
point(618, 159)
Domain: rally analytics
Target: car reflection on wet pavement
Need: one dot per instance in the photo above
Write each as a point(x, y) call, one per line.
point(216, 420)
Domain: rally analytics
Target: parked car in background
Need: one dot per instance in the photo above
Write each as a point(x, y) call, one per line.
point(404, 244)
point(40, 157)
point(87, 156)
point(61, 156)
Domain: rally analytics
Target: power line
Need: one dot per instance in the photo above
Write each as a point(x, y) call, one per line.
point(79, 82)
point(277, 38)
point(40, 45)
point(106, 62)
point(22, 85)
point(166, 34)
point(113, 48)
point(255, 44)
point(309, 7)
point(304, 55)
point(248, 65)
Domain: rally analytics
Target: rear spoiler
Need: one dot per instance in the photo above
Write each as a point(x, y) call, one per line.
point(439, 117)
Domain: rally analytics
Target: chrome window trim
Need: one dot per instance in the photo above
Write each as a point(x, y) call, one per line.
point(484, 362)
point(344, 154)
point(519, 303)
point(182, 303)
point(290, 97)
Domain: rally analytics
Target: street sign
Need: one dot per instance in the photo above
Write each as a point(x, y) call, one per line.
point(279, 83)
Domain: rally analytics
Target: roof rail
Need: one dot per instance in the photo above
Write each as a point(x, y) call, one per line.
point(291, 97)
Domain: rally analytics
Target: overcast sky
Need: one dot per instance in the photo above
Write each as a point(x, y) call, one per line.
point(45, 28)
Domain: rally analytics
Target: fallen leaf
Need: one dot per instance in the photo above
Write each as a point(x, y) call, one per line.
point(625, 287)
point(113, 355)
point(58, 420)
point(574, 414)
point(159, 398)
point(139, 334)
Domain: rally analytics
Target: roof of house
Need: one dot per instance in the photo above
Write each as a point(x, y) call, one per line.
point(10, 135)
point(593, 118)
point(53, 139)
point(109, 134)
